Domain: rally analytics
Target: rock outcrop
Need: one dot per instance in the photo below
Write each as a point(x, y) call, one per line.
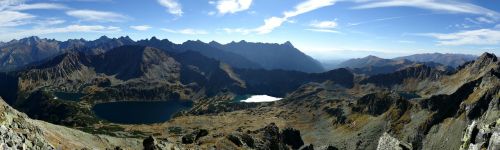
point(387, 142)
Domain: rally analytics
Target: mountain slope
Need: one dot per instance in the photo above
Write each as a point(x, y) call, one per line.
point(273, 56)
point(373, 65)
point(453, 60)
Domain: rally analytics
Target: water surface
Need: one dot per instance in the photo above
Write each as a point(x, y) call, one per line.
point(140, 112)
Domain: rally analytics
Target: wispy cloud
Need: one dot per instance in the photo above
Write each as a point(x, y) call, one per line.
point(443, 6)
point(173, 7)
point(485, 20)
point(14, 18)
point(470, 37)
point(7, 3)
point(67, 29)
point(271, 23)
point(324, 24)
point(186, 31)
point(98, 16)
point(37, 6)
point(232, 6)
point(49, 22)
point(406, 41)
point(324, 30)
point(12, 13)
point(274, 22)
point(141, 27)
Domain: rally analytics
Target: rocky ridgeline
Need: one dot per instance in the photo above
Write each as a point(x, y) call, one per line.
point(17, 133)
point(482, 136)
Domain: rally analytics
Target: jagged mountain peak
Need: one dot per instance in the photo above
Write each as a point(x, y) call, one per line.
point(104, 37)
point(32, 40)
point(487, 56)
point(125, 38)
point(288, 43)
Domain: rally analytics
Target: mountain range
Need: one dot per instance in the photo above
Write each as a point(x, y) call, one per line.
point(372, 65)
point(19, 53)
point(373, 103)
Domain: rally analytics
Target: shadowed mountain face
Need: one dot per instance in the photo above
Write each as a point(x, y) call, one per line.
point(273, 56)
point(417, 72)
point(233, 59)
point(280, 82)
point(452, 60)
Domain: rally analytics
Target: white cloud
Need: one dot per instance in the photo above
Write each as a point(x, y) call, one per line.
point(186, 31)
point(37, 6)
point(324, 24)
point(14, 18)
point(484, 20)
point(99, 16)
point(7, 3)
point(8, 35)
point(49, 22)
point(308, 6)
point(470, 37)
point(237, 30)
point(232, 6)
point(443, 6)
point(273, 22)
point(173, 7)
point(141, 27)
point(324, 30)
point(270, 24)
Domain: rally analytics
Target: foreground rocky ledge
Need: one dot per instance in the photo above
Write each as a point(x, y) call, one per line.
point(20, 132)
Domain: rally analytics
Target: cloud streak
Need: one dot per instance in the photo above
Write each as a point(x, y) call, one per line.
point(442, 6)
point(274, 22)
point(34, 6)
point(186, 31)
point(469, 37)
point(323, 30)
point(98, 16)
point(141, 27)
point(14, 18)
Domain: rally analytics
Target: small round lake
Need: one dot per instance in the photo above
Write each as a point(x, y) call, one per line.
point(140, 112)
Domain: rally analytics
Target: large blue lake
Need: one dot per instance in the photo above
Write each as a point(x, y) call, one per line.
point(139, 112)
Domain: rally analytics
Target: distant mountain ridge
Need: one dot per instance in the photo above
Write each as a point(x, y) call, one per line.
point(19, 53)
point(373, 65)
point(272, 55)
point(453, 60)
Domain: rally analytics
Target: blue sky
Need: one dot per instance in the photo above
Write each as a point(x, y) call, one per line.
point(324, 29)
